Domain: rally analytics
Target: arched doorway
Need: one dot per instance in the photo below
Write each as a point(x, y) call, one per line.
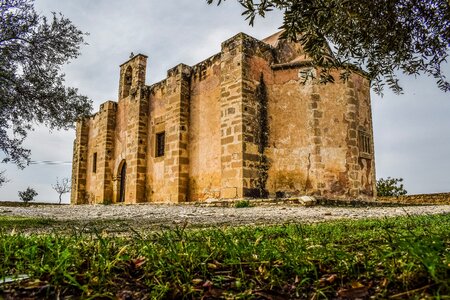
point(122, 181)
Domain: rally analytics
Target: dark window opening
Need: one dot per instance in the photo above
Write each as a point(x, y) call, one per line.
point(123, 179)
point(160, 144)
point(94, 163)
point(364, 143)
point(127, 81)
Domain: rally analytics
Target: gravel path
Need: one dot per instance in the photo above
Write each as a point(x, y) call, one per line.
point(151, 215)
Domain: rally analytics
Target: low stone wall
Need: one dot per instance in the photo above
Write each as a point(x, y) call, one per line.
point(440, 198)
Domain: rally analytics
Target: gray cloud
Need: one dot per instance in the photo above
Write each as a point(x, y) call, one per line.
point(412, 136)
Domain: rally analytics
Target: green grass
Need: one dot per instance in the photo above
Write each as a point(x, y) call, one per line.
point(243, 204)
point(24, 223)
point(39, 225)
point(407, 257)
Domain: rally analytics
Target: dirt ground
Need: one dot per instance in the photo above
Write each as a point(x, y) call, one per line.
point(157, 216)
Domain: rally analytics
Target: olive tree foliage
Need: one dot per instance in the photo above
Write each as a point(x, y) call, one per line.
point(390, 187)
point(62, 186)
point(33, 50)
point(382, 37)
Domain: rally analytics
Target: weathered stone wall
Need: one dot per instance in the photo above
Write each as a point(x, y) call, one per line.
point(99, 143)
point(136, 123)
point(314, 135)
point(79, 163)
point(205, 131)
point(105, 148)
point(243, 123)
point(115, 134)
point(438, 198)
point(257, 77)
point(121, 136)
point(168, 176)
point(176, 162)
point(231, 118)
point(359, 91)
point(136, 148)
point(332, 150)
point(290, 152)
point(93, 190)
point(156, 179)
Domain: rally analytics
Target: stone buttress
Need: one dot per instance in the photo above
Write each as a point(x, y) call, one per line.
point(176, 161)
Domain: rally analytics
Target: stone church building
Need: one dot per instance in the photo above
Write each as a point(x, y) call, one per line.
point(246, 122)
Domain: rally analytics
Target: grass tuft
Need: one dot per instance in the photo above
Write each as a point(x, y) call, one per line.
point(243, 204)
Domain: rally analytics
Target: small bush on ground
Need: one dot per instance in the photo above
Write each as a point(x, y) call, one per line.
point(28, 195)
point(390, 187)
point(242, 204)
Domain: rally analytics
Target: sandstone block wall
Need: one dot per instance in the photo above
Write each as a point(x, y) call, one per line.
point(131, 132)
point(204, 143)
point(438, 198)
point(242, 123)
point(79, 164)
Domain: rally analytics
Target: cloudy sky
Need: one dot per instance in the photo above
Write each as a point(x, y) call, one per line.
point(411, 131)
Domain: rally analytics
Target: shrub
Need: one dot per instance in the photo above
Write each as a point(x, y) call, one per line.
point(28, 195)
point(390, 187)
point(242, 204)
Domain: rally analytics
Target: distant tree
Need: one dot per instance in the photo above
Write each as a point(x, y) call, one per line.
point(28, 195)
point(62, 187)
point(3, 178)
point(380, 37)
point(32, 51)
point(390, 187)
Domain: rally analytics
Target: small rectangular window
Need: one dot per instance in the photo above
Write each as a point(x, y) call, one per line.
point(365, 147)
point(94, 163)
point(160, 144)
